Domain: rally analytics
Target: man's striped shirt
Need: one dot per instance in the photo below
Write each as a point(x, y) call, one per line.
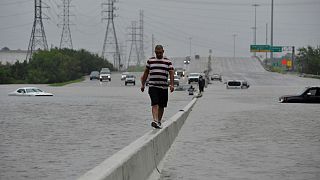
point(159, 71)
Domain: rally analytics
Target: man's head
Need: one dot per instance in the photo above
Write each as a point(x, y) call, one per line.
point(158, 50)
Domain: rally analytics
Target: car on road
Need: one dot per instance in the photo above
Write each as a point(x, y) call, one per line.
point(29, 91)
point(123, 75)
point(193, 77)
point(130, 79)
point(179, 72)
point(216, 77)
point(176, 80)
point(105, 74)
point(187, 60)
point(94, 75)
point(308, 95)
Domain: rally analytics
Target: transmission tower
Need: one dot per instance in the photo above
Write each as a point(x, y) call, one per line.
point(66, 41)
point(142, 56)
point(110, 45)
point(134, 44)
point(38, 36)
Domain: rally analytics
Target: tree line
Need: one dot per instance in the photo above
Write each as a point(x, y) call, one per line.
point(52, 66)
point(308, 60)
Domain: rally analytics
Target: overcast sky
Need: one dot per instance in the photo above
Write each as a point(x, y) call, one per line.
point(209, 23)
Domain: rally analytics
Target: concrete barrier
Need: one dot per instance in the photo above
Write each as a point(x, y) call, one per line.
point(140, 159)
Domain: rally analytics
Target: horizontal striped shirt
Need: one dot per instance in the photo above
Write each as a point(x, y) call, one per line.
point(159, 71)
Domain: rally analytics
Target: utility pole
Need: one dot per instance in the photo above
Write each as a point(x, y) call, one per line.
point(271, 38)
point(234, 45)
point(292, 59)
point(266, 60)
point(142, 56)
point(38, 36)
point(134, 43)
point(190, 38)
point(255, 26)
point(66, 41)
point(152, 46)
point(110, 45)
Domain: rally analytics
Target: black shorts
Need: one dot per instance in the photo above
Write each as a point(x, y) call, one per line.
point(158, 96)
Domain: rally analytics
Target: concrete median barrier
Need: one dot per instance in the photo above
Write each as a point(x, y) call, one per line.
point(141, 159)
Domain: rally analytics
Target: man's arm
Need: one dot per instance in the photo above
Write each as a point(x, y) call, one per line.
point(171, 73)
point(144, 78)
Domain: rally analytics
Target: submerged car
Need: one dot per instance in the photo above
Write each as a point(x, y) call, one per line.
point(308, 95)
point(130, 79)
point(94, 75)
point(216, 77)
point(193, 77)
point(124, 75)
point(29, 91)
point(176, 80)
point(237, 84)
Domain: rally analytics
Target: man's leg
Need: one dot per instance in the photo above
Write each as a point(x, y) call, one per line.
point(160, 113)
point(155, 112)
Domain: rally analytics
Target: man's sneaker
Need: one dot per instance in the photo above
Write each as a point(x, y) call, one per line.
point(155, 125)
point(159, 124)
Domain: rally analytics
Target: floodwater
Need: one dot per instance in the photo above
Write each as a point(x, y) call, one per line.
point(246, 134)
point(64, 136)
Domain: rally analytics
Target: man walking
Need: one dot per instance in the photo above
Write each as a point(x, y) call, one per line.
point(157, 69)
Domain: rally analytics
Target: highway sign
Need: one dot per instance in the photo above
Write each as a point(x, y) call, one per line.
point(259, 48)
point(265, 48)
point(276, 48)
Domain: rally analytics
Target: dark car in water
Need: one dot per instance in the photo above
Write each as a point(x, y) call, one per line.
point(94, 75)
point(308, 95)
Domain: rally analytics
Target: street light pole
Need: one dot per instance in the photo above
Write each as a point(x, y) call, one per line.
point(271, 38)
point(190, 46)
point(255, 25)
point(234, 45)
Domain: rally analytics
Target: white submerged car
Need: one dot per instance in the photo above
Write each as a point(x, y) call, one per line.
point(29, 91)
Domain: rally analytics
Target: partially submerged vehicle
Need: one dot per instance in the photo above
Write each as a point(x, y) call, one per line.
point(29, 91)
point(308, 95)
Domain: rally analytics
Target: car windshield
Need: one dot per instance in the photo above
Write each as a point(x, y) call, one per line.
point(130, 76)
point(302, 91)
point(234, 83)
point(194, 74)
point(94, 72)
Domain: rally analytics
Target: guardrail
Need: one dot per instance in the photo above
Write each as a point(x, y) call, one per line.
point(140, 160)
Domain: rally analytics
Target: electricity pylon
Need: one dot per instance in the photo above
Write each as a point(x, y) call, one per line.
point(38, 36)
point(110, 45)
point(66, 41)
point(134, 45)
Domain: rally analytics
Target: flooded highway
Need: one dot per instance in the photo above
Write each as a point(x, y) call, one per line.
point(230, 134)
point(246, 133)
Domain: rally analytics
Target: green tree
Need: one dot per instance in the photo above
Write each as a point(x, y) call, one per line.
point(309, 60)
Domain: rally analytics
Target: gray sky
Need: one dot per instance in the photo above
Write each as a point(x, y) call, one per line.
point(209, 23)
